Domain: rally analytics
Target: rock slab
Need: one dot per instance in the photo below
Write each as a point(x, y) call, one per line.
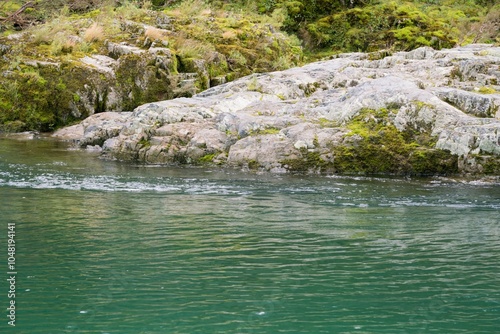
point(425, 112)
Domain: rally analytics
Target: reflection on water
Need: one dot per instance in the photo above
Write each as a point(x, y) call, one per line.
point(106, 247)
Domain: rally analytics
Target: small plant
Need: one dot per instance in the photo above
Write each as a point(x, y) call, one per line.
point(265, 131)
point(229, 34)
point(84, 47)
point(155, 33)
point(192, 48)
point(94, 33)
point(456, 74)
point(62, 44)
point(253, 85)
point(144, 142)
point(208, 158)
point(42, 35)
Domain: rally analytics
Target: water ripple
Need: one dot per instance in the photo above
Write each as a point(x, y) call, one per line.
point(113, 248)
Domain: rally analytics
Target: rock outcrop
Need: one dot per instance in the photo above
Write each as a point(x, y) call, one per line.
point(118, 58)
point(419, 112)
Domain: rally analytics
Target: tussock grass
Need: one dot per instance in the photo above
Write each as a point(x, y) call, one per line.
point(229, 34)
point(63, 44)
point(155, 33)
point(94, 33)
point(190, 8)
point(192, 48)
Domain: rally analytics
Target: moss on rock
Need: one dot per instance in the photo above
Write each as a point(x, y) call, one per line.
point(375, 146)
point(309, 162)
point(154, 54)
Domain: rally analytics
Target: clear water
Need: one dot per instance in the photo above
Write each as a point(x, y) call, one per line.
point(108, 247)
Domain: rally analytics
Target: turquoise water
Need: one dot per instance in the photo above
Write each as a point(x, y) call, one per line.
point(108, 247)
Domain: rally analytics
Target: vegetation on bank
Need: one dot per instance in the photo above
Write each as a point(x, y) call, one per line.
point(44, 84)
point(218, 40)
point(374, 145)
point(371, 25)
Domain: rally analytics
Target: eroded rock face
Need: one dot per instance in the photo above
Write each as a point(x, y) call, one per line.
point(418, 112)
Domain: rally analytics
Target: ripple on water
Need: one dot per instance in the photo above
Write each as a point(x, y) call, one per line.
point(114, 248)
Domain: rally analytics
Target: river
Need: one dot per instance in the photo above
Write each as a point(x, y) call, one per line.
point(110, 247)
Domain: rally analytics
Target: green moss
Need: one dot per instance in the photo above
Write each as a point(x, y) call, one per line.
point(490, 164)
point(208, 158)
point(253, 164)
point(378, 25)
point(380, 148)
point(486, 90)
point(377, 55)
point(428, 161)
point(310, 161)
point(13, 126)
point(144, 143)
point(327, 123)
point(39, 98)
point(265, 131)
point(139, 82)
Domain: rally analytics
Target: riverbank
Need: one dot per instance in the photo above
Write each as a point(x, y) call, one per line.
point(423, 112)
point(98, 55)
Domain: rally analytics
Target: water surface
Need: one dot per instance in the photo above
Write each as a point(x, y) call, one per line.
point(109, 247)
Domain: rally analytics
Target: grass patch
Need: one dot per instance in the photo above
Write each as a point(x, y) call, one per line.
point(264, 131)
point(155, 33)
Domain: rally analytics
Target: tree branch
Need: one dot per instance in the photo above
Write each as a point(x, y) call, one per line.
point(27, 5)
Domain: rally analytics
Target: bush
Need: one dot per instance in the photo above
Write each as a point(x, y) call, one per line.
point(364, 25)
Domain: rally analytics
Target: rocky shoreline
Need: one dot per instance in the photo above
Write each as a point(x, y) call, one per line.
point(423, 112)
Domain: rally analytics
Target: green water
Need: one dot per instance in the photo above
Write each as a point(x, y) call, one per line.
point(107, 247)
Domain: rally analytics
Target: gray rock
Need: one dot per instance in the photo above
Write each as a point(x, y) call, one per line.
point(95, 130)
point(117, 50)
point(4, 49)
point(301, 118)
point(481, 105)
point(102, 63)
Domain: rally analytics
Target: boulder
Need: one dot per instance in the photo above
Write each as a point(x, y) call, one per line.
point(417, 112)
